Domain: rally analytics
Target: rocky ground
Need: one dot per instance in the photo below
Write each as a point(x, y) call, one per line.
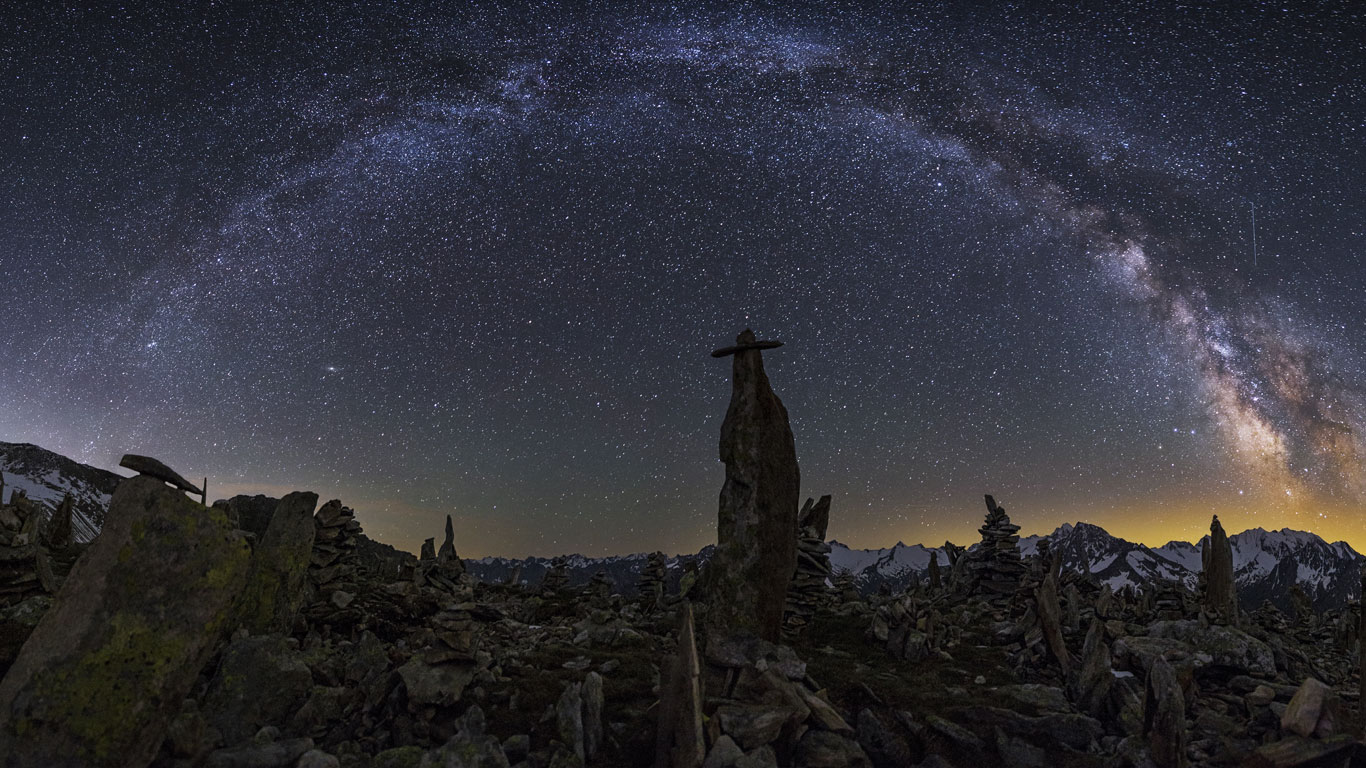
point(339, 652)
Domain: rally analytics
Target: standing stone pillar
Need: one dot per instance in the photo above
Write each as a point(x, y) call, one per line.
point(1216, 559)
point(756, 551)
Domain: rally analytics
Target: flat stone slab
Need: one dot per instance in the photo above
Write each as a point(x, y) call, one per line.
point(764, 344)
point(146, 465)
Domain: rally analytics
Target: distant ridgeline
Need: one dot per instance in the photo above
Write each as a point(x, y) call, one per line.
point(1266, 563)
point(46, 477)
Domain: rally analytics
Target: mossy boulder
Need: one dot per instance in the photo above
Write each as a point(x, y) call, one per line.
point(260, 681)
point(279, 567)
point(108, 667)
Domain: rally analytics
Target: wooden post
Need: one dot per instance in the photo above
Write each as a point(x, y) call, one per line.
point(204, 493)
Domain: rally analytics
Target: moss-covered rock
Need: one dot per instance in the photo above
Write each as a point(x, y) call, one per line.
point(109, 665)
point(279, 566)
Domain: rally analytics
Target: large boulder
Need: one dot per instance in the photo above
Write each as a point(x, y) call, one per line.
point(109, 665)
point(260, 681)
point(279, 567)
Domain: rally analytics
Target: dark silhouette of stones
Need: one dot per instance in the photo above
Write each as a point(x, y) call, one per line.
point(936, 580)
point(679, 741)
point(1361, 651)
point(557, 576)
point(650, 585)
point(995, 568)
point(756, 550)
point(1050, 620)
point(428, 550)
point(808, 590)
point(146, 465)
point(1091, 686)
point(446, 556)
point(109, 665)
point(279, 566)
point(1164, 716)
point(59, 527)
point(1216, 558)
point(250, 513)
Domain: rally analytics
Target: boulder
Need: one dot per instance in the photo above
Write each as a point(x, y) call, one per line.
point(136, 620)
point(824, 749)
point(260, 681)
point(279, 567)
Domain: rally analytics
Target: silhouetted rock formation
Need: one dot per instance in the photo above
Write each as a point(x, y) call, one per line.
point(756, 552)
point(105, 670)
point(809, 587)
point(995, 568)
point(1217, 560)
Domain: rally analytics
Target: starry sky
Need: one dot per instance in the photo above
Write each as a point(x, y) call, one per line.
point(471, 258)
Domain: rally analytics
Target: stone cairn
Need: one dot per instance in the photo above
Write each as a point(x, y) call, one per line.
point(846, 589)
point(809, 588)
point(25, 568)
point(997, 569)
point(1216, 559)
point(444, 571)
point(650, 585)
point(599, 588)
point(756, 551)
point(333, 567)
point(557, 578)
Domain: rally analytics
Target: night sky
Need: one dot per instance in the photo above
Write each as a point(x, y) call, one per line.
point(470, 259)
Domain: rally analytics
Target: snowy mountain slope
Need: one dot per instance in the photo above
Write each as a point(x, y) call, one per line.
point(46, 477)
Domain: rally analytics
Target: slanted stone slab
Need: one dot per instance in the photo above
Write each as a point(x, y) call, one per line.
point(146, 465)
point(109, 665)
point(279, 567)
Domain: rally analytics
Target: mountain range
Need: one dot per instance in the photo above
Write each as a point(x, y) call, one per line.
point(1266, 563)
point(45, 477)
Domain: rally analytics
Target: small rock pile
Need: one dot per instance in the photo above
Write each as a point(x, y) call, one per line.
point(650, 585)
point(25, 567)
point(809, 588)
point(557, 577)
point(996, 568)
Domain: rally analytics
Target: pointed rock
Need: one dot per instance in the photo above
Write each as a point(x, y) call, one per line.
point(59, 527)
point(1164, 716)
point(1050, 620)
point(149, 600)
point(446, 555)
point(1216, 557)
point(428, 550)
point(756, 552)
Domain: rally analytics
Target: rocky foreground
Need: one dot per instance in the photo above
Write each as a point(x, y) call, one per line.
point(273, 633)
point(264, 633)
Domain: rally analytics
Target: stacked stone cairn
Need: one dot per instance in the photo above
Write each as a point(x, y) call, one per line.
point(650, 585)
point(25, 565)
point(996, 568)
point(599, 589)
point(845, 588)
point(810, 584)
point(1169, 600)
point(557, 578)
point(334, 568)
point(445, 571)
